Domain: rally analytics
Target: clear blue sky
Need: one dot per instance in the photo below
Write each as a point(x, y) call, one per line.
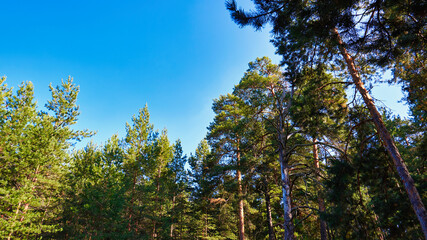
point(176, 56)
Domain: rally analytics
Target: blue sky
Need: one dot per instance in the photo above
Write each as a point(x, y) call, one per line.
point(175, 56)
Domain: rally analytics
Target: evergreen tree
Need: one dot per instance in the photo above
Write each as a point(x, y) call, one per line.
point(161, 202)
point(380, 31)
point(34, 148)
point(95, 189)
point(265, 89)
point(226, 136)
point(179, 184)
point(319, 107)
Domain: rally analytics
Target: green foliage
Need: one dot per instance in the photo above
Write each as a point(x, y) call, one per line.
point(144, 187)
point(302, 31)
point(33, 148)
point(365, 192)
point(319, 103)
point(96, 199)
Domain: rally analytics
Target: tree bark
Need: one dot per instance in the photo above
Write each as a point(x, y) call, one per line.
point(286, 191)
point(271, 235)
point(386, 138)
point(173, 217)
point(241, 203)
point(320, 200)
point(284, 172)
point(159, 174)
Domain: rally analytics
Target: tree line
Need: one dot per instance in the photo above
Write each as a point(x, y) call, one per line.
point(289, 154)
point(294, 159)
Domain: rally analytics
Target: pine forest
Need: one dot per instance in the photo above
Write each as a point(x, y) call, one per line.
point(299, 149)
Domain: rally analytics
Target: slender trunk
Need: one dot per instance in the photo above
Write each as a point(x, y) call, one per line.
point(320, 200)
point(241, 206)
point(173, 217)
point(386, 138)
point(159, 174)
point(271, 235)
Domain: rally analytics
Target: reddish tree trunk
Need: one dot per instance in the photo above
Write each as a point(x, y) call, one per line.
point(386, 138)
point(173, 217)
point(271, 235)
point(159, 174)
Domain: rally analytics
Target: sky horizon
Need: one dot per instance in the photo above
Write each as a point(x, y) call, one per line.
point(174, 56)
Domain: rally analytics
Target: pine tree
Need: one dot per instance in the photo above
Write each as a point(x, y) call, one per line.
point(160, 202)
point(95, 194)
point(140, 168)
point(323, 30)
point(34, 148)
point(178, 187)
point(226, 136)
point(265, 88)
point(319, 107)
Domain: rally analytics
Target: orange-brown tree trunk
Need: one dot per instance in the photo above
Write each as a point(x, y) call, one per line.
point(241, 203)
point(386, 138)
point(271, 235)
point(159, 174)
point(173, 217)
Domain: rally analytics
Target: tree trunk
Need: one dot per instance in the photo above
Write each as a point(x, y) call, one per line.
point(386, 138)
point(173, 217)
point(271, 235)
point(284, 172)
point(241, 203)
point(286, 191)
point(159, 174)
point(320, 200)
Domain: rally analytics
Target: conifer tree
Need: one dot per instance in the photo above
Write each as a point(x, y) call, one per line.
point(95, 201)
point(323, 30)
point(179, 184)
point(226, 136)
point(197, 162)
point(265, 88)
point(160, 203)
point(33, 154)
point(319, 107)
point(138, 165)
